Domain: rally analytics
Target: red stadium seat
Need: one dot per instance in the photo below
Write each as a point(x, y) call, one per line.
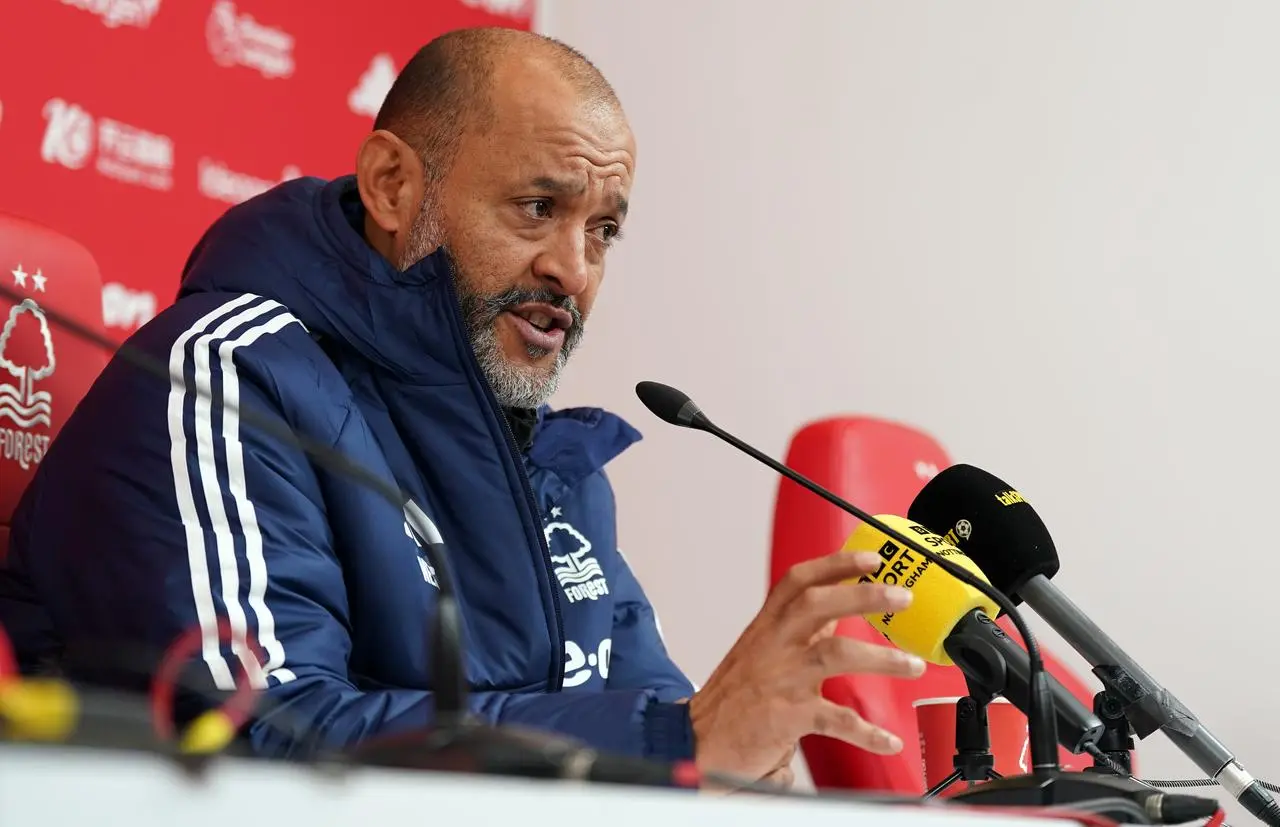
point(880, 466)
point(44, 370)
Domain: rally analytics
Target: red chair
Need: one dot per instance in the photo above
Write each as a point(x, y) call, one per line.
point(880, 466)
point(44, 371)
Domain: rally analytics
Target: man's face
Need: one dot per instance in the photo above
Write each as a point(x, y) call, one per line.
point(527, 213)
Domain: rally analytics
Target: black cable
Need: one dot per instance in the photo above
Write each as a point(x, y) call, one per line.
point(1110, 808)
point(1200, 782)
point(1174, 784)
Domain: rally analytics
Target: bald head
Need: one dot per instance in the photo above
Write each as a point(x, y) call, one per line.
point(447, 89)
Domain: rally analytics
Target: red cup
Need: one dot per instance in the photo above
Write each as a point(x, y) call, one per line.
point(936, 718)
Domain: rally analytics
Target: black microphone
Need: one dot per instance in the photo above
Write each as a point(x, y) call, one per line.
point(995, 525)
point(993, 662)
point(675, 407)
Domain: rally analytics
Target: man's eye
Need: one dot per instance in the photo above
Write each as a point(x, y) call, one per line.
point(540, 208)
point(609, 233)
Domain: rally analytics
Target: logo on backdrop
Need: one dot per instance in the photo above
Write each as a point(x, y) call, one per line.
point(579, 573)
point(221, 183)
point(506, 8)
point(116, 13)
point(236, 39)
point(121, 152)
point(371, 90)
point(26, 358)
point(122, 307)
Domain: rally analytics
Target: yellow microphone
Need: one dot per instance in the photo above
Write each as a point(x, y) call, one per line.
point(38, 709)
point(50, 710)
point(950, 623)
point(212, 732)
point(939, 602)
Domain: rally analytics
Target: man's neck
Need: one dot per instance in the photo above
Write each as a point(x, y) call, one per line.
point(522, 422)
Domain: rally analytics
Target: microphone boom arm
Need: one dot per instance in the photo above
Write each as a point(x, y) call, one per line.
point(1147, 705)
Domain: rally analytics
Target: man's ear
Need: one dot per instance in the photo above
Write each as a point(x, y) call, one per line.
point(391, 179)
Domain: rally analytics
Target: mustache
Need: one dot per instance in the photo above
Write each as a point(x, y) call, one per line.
point(485, 309)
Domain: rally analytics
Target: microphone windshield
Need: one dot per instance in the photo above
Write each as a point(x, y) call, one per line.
point(991, 522)
point(939, 601)
point(671, 405)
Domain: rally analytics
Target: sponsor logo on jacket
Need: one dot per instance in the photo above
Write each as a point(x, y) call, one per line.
point(581, 663)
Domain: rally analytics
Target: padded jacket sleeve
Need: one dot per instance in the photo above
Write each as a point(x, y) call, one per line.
point(639, 659)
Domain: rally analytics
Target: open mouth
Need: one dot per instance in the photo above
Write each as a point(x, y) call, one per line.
point(542, 326)
point(544, 317)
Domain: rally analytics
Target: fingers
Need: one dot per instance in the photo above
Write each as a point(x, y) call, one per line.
point(842, 723)
point(817, 606)
point(842, 655)
point(831, 568)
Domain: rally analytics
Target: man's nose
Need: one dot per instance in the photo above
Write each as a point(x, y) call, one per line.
point(563, 264)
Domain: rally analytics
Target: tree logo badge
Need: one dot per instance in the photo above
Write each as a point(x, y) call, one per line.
point(26, 355)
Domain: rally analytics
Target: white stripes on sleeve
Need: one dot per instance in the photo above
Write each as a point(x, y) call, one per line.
point(237, 323)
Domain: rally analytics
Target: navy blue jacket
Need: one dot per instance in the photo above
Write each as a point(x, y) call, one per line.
point(157, 510)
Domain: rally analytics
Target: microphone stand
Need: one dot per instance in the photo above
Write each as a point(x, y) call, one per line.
point(1116, 743)
point(973, 760)
point(987, 676)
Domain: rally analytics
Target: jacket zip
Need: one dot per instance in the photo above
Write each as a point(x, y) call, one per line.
point(555, 678)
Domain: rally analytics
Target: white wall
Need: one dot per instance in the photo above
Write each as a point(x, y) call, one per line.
point(1046, 232)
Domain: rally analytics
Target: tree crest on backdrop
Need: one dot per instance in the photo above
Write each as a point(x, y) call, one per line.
point(26, 352)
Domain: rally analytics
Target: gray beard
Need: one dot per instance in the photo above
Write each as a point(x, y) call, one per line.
point(515, 386)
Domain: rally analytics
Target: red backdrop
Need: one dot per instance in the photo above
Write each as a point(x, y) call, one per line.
point(130, 125)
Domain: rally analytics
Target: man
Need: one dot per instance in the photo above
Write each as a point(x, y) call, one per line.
point(415, 317)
